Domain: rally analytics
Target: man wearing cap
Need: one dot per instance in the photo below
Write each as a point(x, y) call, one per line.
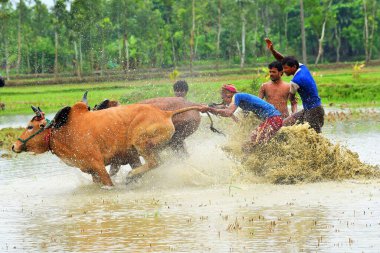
point(270, 116)
point(303, 83)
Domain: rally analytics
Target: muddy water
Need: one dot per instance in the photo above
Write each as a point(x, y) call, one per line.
point(194, 204)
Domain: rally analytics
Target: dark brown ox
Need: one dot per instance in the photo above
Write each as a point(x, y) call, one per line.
point(90, 140)
point(185, 123)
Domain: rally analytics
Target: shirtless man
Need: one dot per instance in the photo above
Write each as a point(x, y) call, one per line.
point(277, 92)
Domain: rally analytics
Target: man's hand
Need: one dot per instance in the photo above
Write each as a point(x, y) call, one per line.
point(279, 57)
point(269, 44)
point(212, 110)
point(204, 108)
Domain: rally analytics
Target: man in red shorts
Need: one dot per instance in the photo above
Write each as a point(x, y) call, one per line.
point(270, 116)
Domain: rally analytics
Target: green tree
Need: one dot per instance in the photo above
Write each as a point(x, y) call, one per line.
point(5, 15)
point(42, 49)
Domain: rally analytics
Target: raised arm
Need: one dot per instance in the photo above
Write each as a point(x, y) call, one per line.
point(276, 54)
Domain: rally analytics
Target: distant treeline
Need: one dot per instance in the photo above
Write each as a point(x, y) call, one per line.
point(83, 36)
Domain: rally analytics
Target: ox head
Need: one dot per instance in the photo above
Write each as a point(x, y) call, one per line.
point(36, 137)
point(32, 139)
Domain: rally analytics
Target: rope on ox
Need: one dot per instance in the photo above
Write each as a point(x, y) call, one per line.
point(24, 141)
point(212, 128)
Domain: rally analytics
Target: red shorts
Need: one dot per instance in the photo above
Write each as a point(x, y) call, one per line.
point(266, 130)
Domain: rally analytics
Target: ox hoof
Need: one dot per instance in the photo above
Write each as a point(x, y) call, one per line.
point(107, 187)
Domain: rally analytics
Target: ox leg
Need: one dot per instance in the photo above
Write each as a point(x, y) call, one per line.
point(148, 147)
point(179, 147)
point(95, 177)
point(114, 169)
point(133, 160)
point(177, 144)
point(151, 162)
point(105, 177)
point(100, 174)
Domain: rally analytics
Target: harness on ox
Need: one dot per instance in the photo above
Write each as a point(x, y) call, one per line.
point(40, 115)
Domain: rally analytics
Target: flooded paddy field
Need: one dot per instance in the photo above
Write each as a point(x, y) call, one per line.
point(201, 203)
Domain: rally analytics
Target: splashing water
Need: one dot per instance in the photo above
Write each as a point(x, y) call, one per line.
point(298, 154)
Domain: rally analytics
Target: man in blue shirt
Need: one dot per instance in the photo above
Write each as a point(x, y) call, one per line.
point(303, 83)
point(270, 116)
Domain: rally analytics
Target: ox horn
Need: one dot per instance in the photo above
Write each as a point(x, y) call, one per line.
point(37, 111)
point(84, 99)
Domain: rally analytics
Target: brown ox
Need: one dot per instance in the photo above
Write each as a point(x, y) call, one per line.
point(185, 123)
point(90, 140)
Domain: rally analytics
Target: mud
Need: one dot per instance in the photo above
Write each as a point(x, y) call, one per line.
point(297, 154)
point(200, 202)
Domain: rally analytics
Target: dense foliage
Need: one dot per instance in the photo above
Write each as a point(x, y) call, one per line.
point(86, 36)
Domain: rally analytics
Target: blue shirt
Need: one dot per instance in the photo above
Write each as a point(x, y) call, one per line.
point(306, 87)
point(249, 102)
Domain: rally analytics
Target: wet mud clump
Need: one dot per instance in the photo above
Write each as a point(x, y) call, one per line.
point(298, 154)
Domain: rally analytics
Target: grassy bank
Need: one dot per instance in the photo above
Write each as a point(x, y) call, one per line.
point(336, 86)
point(9, 136)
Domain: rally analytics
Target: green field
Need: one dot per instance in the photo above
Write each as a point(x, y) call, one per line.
point(336, 87)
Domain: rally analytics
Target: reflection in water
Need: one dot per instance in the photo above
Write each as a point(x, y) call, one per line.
point(185, 205)
point(270, 219)
point(362, 137)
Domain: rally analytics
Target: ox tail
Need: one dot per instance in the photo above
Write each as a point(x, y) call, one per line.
point(198, 108)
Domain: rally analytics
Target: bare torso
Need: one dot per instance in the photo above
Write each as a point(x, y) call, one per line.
point(276, 94)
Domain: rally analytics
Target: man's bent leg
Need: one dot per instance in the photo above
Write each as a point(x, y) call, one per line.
point(315, 118)
point(269, 128)
point(297, 117)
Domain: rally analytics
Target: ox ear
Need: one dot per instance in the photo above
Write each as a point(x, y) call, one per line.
point(61, 117)
point(103, 105)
